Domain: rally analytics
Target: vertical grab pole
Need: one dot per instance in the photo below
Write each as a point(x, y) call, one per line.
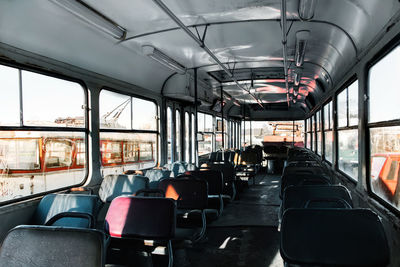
point(293, 133)
point(222, 116)
point(196, 145)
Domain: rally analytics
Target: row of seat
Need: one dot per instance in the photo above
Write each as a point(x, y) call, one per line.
point(318, 223)
point(195, 194)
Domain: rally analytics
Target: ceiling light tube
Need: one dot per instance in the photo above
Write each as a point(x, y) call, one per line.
point(306, 9)
point(163, 59)
point(301, 43)
point(297, 78)
point(93, 17)
point(295, 91)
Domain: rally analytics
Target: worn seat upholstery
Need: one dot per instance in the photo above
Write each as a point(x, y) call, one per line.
point(155, 175)
point(333, 237)
point(130, 218)
point(65, 206)
point(114, 186)
point(33, 246)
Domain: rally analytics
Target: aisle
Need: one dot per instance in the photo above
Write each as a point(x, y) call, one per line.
point(245, 235)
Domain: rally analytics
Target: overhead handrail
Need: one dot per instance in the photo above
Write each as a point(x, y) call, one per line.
point(204, 47)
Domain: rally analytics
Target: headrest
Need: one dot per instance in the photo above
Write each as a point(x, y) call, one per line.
point(53, 204)
point(157, 174)
point(141, 217)
point(302, 196)
point(32, 246)
point(189, 193)
point(214, 179)
point(294, 179)
point(113, 186)
point(333, 237)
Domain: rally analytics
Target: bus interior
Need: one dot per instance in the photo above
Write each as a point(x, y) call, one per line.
point(199, 133)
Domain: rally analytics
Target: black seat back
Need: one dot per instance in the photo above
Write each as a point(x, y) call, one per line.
point(189, 193)
point(141, 217)
point(333, 237)
point(214, 179)
point(294, 179)
point(32, 246)
point(330, 196)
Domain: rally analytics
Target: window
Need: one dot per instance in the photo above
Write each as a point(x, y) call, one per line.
point(33, 161)
point(58, 153)
point(309, 132)
point(178, 136)
point(219, 133)
point(384, 128)
point(187, 137)
point(128, 135)
point(169, 134)
point(205, 133)
point(328, 125)
point(318, 145)
point(192, 138)
point(347, 108)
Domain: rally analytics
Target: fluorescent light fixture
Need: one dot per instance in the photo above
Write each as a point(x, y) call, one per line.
point(163, 59)
point(93, 17)
point(295, 91)
point(301, 43)
point(297, 78)
point(236, 103)
point(306, 9)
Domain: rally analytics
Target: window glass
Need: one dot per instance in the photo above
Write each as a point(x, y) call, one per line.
point(42, 93)
point(308, 145)
point(342, 108)
point(131, 151)
point(187, 137)
point(9, 100)
point(205, 146)
point(319, 143)
point(384, 93)
point(33, 162)
point(115, 110)
point(385, 158)
point(353, 103)
point(247, 136)
point(58, 153)
point(169, 133)
point(327, 117)
point(144, 120)
point(193, 139)
point(208, 125)
point(200, 122)
point(127, 151)
point(178, 136)
point(348, 152)
point(318, 120)
point(329, 146)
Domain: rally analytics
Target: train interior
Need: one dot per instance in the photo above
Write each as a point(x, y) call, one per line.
point(199, 133)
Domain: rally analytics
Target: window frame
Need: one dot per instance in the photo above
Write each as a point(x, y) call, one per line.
point(385, 51)
point(133, 131)
point(21, 127)
point(345, 87)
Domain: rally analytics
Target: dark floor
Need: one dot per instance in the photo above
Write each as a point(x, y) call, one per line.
point(245, 235)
